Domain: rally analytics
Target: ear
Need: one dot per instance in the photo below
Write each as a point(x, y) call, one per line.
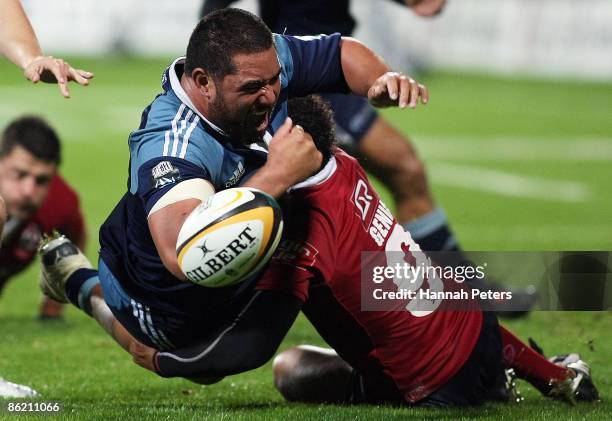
point(204, 83)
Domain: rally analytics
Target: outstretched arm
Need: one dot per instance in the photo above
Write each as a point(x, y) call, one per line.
point(368, 75)
point(19, 44)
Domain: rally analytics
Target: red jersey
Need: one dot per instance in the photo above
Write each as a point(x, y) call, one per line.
point(330, 221)
point(60, 211)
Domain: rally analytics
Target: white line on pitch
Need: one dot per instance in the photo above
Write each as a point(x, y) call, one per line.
point(519, 148)
point(507, 184)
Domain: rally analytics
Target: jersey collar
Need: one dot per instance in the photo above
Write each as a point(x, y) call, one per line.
point(175, 84)
point(319, 178)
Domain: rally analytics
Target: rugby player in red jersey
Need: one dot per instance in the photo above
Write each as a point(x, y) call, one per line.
point(37, 198)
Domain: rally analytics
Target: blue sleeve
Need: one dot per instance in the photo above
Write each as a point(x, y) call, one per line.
point(311, 63)
point(158, 175)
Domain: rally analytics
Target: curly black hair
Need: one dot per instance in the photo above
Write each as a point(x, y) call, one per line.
point(316, 117)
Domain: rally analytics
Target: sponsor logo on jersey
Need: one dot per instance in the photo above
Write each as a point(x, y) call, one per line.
point(163, 174)
point(362, 199)
point(243, 241)
point(381, 224)
point(296, 252)
point(238, 173)
point(377, 223)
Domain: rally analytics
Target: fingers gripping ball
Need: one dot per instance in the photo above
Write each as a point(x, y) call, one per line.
point(229, 237)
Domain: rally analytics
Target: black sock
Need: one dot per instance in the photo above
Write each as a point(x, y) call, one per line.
point(433, 234)
point(79, 286)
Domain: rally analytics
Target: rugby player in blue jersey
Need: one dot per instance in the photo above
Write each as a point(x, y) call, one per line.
point(221, 108)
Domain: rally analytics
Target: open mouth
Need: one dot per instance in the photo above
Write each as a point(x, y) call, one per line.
point(262, 120)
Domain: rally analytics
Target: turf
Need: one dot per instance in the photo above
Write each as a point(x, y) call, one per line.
point(541, 130)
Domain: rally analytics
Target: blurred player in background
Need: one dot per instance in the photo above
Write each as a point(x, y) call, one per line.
point(20, 45)
point(383, 150)
point(36, 200)
point(36, 197)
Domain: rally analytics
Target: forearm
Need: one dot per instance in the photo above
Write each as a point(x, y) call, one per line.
point(108, 322)
point(243, 344)
point(267, 182)
point(360, 65)
point(18, 41)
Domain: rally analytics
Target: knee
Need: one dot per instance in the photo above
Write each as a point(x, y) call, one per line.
point(284, 368)
point(410, 170)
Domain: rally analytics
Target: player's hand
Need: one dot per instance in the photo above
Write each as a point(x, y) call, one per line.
point(397, 89)
point(293, 152)
point(143, 355)
point(55, 70)
point(292, 157)
point(426, 8)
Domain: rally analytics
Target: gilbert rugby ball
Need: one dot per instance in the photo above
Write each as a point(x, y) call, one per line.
point(229, 237)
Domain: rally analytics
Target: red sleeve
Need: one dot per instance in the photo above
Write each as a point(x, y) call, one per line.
point(61, 211)
point(305, 254)
point(286, 278)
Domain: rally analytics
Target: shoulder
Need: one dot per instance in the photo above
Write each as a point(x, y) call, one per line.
point(166, 129)
point(61, 206)
point(173, 131)
point(285, 58)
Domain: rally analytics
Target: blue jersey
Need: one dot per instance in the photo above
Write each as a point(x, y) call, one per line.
point(175, 143)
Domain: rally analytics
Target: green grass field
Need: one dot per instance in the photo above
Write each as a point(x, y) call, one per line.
point(518, 164)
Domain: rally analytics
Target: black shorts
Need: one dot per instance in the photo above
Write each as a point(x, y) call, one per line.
point(472, 385)
point(164, 326)
point(353, 116)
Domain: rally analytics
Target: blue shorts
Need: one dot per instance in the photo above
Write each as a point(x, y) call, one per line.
point(353, 116)
point(166, 324)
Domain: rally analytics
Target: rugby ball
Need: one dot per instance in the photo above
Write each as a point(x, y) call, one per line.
point(229, 237)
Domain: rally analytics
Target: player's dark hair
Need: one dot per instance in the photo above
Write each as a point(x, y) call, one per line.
point(220, 36)
point(33, 134)
point(316, 117)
